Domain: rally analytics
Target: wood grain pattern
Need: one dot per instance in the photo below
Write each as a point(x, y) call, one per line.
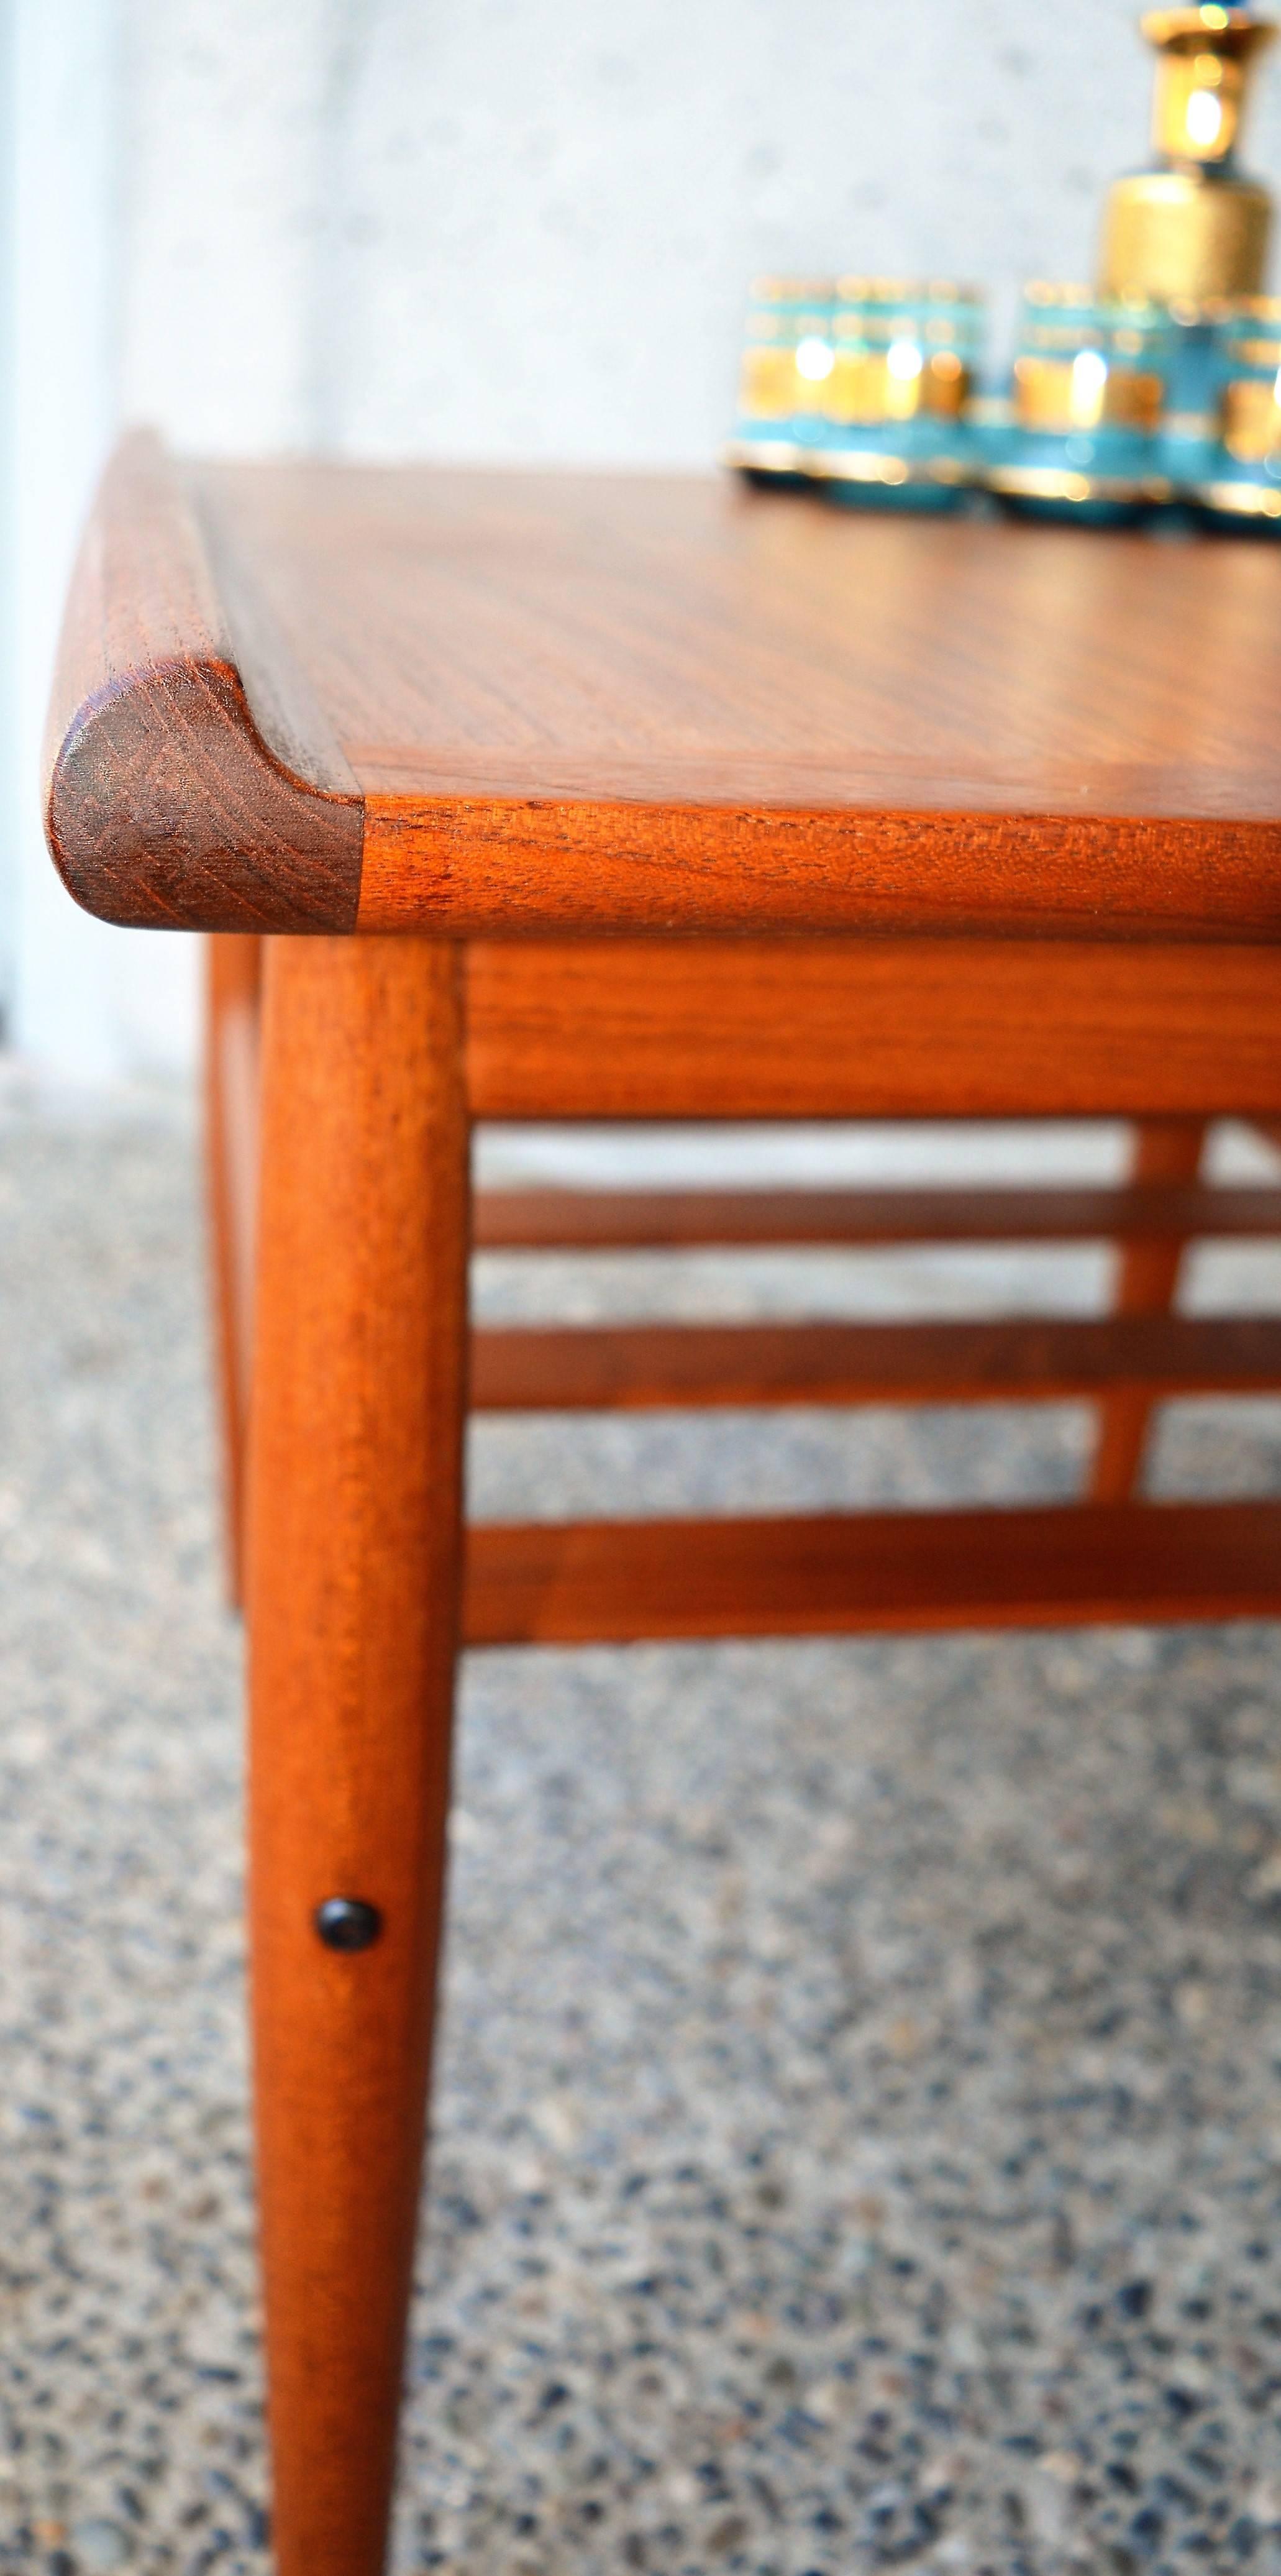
point(548, 863)
point(587, 1220)
point(580, 702)
point(172, 801)
point(627, 702)
point(629, 1367)
point(353, 1610)
point(1148, 1276)
point(605, 1581)
point(879, 1028)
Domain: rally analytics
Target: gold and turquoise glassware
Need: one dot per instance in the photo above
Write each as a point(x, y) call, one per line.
point(787, 364)
point(896, 397)
point(1087, 399)
point(1243, 483)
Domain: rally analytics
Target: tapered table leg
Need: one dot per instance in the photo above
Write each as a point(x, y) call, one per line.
point(233, 980)
point(354, 1509)
point(1165, 1149)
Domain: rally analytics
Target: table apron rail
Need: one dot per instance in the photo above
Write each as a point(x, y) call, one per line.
point(879, 1028)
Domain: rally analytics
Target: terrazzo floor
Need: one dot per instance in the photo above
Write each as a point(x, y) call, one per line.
point(858, 2135)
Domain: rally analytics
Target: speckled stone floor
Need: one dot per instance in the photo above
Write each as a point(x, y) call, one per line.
point(858, 2138)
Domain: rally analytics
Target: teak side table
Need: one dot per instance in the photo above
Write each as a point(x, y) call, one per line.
point(647, 798)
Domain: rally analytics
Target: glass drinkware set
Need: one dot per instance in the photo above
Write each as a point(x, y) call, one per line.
point(867, 388)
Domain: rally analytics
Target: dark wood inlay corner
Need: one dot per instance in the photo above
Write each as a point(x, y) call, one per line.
point(175, 798)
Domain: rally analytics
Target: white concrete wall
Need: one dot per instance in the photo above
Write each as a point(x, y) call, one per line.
point(512, 228)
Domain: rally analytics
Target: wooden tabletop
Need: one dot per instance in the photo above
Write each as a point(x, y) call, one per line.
point(336, 697)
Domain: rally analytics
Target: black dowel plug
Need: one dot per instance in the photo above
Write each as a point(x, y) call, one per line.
point(348, 1923)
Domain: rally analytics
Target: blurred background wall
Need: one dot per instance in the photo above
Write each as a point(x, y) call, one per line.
point(508, 229)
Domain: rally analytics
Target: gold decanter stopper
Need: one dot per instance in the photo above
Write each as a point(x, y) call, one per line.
point(1192, 230)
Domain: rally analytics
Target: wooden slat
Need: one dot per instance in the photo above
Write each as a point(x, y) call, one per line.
point(608, 1367)
point(612, 1582)
point(873, 1028)
point(552, 1220)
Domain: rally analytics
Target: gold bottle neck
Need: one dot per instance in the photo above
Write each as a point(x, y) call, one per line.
point(1192, 231)
point(1207, 57)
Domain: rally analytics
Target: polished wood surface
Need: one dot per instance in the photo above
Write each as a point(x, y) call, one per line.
point(633, 1367)
point(587, 1220)
point(353, 1609)
point(586, 700)
point(301, 695)
point(611, 1581)
point(877, 1028)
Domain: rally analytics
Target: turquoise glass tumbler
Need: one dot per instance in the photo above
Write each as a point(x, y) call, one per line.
point(1189, 429)
point(1083, 436)
point(904, 355)
point(1243, 484)
point(787, 362)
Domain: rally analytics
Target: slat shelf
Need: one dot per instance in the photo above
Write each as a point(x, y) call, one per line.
point(543, 1219)
point(611, 1582)
point(603, 1368)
